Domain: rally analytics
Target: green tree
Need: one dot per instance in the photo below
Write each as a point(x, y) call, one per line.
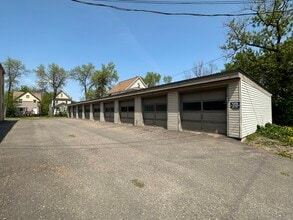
point(14, 69)
point(262, 47)
point(152, 79)
point(102, 80)
point(53, 78)
point(25, 88)
point(45, 102)
point(167, 79)
point(83, 75)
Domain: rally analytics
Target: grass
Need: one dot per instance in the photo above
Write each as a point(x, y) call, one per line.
point(274, 138)
point(138, 183)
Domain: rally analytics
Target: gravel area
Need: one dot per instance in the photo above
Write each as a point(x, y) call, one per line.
point(79, 169)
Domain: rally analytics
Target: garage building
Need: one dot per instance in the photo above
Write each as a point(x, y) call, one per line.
point(228, 103)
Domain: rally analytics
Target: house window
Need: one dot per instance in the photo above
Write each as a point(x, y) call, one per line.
point(27, 96)
point(19, 100)
point(61, 95)
point(35, 101)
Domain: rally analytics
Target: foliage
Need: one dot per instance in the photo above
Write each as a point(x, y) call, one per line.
point(25, 88)
point(152, 79)
point(14, 69)
point(167, 79)
point(10, 104)
point(102, 80)
point(53, 78)
point(83, 75)
point(280, 133)
point(262, 46)
point(45, 102)
point(199, 69)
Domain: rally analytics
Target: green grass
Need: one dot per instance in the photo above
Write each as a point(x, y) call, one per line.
point(283, 134)
point(138, 183)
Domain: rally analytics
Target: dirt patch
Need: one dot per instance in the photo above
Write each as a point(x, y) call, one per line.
point(271, 145)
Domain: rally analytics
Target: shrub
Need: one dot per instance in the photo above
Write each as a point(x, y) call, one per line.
point(281, 133)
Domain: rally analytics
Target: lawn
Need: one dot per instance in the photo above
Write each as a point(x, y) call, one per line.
point(274, 138)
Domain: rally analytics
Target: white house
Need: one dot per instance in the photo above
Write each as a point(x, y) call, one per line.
point(28, 103)
point(135, 83)
point(61, 102)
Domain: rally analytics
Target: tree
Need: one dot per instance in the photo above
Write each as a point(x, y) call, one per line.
point(199, 69)
point(152, 79)
point(53, 78)
point(262, 46)
point(45, 102)
point(83, 75)
point(14, 69)
point(102, 80)
point(167, 79)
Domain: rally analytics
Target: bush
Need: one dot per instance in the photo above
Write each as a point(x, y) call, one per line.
point(281, 133)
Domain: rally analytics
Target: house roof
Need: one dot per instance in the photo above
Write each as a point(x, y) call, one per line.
point(218, 77)
point(63, 97)
point(17, 94)
point(123, 85)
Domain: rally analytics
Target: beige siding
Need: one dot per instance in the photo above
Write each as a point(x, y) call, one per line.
point(256, 107)
point(233, 114)
point(138, 118)
point(173, 111)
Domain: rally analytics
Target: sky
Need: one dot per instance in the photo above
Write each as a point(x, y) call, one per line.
point(71, 34)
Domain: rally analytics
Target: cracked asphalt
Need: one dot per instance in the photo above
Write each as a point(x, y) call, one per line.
point(78, 169)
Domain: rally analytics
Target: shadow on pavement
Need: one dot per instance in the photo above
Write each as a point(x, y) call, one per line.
point(5, 127)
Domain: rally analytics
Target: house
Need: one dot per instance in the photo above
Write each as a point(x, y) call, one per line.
point(28, 103)
point(228, 103)
point(61, 102)
point(2, 72)
point(128, 85)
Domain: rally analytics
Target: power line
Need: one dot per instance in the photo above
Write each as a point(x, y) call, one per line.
point(170, 13)
point(204, 64)
point(231, 2)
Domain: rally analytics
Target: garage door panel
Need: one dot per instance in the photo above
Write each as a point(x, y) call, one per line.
point(161, 116)
point(149, 115)
point(205, 111)
point(214, 117)
point(191, 125)
point(191, 116)
point(215, 128)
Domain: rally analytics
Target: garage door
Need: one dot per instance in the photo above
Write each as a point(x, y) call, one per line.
point(127, 111)
point(204, 111)
point(79, 111)
point(109, 112)
point(87, 111)
point(155, 111)
point(96, 112)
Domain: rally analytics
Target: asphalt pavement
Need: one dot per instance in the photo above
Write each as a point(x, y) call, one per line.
point(79, 169)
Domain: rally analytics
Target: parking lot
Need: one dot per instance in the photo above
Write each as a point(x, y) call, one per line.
point(78, 169)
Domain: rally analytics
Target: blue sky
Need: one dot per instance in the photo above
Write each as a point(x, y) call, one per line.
point(70, 34)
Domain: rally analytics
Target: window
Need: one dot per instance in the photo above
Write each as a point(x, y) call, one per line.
point(109, 109)
point(27, 96)
point(215, 105)
point(149, 108)
point(61, 95)
point(96, 109)
point(191, 106)
point(56, 101)
point(131, 108)
point(161, 108)
point(123, 109)
point(19, 100)
point(35, 101)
